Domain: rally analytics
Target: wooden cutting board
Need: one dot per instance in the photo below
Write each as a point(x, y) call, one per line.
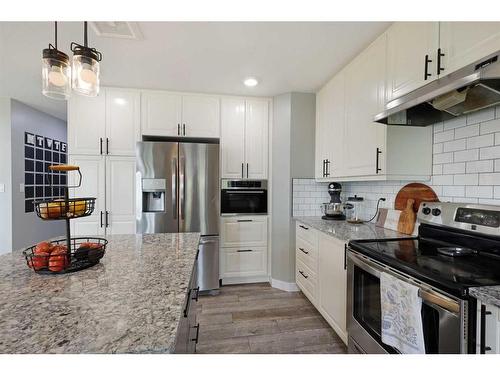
point(416, 191)
point(407, 218)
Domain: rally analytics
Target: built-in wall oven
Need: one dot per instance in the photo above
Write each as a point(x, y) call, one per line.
point(243, 197)
point(444, 317)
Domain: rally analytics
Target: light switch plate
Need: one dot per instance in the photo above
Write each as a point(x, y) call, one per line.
point(2, 188)
point(21, 188)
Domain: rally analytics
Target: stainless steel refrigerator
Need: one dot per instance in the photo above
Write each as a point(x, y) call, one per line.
point(178, 191)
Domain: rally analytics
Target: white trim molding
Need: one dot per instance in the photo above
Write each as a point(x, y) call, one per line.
point(284, 285)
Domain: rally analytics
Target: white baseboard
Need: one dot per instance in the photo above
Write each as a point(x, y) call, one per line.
point(244, 280)
point(283, 285)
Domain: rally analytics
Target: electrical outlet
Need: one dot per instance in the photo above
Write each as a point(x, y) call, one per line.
point(2, 188)
point(21, 188)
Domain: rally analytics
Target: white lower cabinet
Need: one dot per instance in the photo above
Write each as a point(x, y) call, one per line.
point(490, 317)
point(111, 180)
point(321, 275)
point(243, 249)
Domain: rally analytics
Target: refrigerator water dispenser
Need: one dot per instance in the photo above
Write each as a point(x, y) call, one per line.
point(153, 194)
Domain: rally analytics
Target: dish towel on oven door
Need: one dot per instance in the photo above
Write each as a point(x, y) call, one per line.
point(401, 315)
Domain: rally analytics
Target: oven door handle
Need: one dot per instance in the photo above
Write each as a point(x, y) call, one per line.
point(245, 192)
point(427, 295)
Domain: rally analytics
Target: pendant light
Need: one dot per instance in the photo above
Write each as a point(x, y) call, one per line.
point(85, 67)
point(56, 72)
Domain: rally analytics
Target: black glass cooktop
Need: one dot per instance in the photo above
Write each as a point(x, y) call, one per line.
point(420, 259)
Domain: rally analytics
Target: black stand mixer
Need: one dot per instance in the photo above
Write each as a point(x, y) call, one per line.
point(334, 210)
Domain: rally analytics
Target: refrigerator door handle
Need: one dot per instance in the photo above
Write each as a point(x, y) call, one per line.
point(175, 208)
point(182, 184)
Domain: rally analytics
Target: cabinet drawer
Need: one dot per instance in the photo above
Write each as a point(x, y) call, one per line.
point(244, 231)
point(306, 280)
point(307, 254)
point(240, 262)
point(306, 233)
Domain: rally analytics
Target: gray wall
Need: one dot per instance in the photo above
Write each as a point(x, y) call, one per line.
point(292, 156)
point(5, 177)
point(27, 227)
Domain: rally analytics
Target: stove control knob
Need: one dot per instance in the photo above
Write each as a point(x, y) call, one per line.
point(436, 211)
point(426, 210)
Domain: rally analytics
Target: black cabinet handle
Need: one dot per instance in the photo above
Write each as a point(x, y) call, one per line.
point(107, 146)
point(178, 129)
point(101, 220)
point(242, 166)
point(195, 340)
point(244, 220)
point(327, 164)
point(439, 67)
point(195, 298)
point(244, 251)
point(107, 219)
point(426, 69)
point(305, 252)
point(184, 129)
point(303, 227)
point(186, 308)
point(247, 170)
point(324, 173)
point(345, 256)
point(100, 146)
point(303, 274)
point(377, 169)
point(482, 345)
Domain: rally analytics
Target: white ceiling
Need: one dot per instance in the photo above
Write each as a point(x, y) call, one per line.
point(212, 57)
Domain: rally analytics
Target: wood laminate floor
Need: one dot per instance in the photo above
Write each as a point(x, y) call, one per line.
point(256, 318)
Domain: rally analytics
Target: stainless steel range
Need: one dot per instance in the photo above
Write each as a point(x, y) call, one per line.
point(458, 247)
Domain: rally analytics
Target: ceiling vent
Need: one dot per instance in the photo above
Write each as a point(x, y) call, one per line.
point(116, 29)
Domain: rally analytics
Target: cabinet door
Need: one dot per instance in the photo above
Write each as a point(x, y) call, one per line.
point(160, 113)
point(200, 116)
point(244, 231)
point(322, 131)
point(365, 86)
point(120, 194)
point(408, 44)
point(232, 142)
point(332, 280)
point(86, 124)
point(466, 42)
point(243, 262)
point(256, 138)
point(122, 121)
point(92, 169)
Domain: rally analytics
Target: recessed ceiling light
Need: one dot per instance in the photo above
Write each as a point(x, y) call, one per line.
point(251, 82)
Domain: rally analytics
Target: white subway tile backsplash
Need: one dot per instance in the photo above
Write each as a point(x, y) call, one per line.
point(442, 180)
point(437, 148)
point(467, 155)
point(489, 152)
point(466, 179)
point(443, 158)
point(437, 169)
point(479, 191)
point(480, 116)
point(479, 166)
point(454, 191)
point(454, 145)
point(454, 168)
point(489, 179)
point(481, 141)
point(495, 202)
point(444, 136)
point(438, 127)
point(491, 126)
point(467, 131)
point(497, 165)
point(455, 123)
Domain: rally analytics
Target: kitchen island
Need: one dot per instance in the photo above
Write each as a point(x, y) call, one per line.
point(132, 302)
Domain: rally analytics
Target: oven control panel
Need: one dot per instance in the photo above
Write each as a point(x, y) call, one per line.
point(472, 217)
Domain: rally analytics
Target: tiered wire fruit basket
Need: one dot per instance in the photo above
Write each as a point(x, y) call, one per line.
point(73, 253)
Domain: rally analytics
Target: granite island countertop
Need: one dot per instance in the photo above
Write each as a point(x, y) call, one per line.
point(344, 231)
point(487, 294)
point(129, 303)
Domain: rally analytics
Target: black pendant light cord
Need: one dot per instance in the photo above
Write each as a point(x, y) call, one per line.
point(85, 34)
point(376, 211)
point(55, 33)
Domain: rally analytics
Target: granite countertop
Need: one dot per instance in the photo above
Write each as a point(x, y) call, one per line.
point(345, 232)
point(487, 294)
point(129, 303)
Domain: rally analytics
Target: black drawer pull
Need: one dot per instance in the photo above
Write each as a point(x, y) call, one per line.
point(195, 340)
point(195, 298)
point(426, 69)
point(303, 227)
point(305, 252)
point(186, 309)
point(244, 220)
point(244, 251)
point(303, 275)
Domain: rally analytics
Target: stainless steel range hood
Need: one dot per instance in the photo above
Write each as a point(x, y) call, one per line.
point(469, 89)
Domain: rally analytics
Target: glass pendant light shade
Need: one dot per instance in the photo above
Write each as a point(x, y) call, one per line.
point(56, 73)
point(85, 67)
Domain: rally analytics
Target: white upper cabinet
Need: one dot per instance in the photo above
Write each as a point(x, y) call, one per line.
point(87, 124)
point(200, 116)
point(365, 96)
point(244, 138)
point(256, 129)
point(120, 195)
point(161, 113)
point(463, 43)
point(411, 53)
point(232, 143)
point(122, 121)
